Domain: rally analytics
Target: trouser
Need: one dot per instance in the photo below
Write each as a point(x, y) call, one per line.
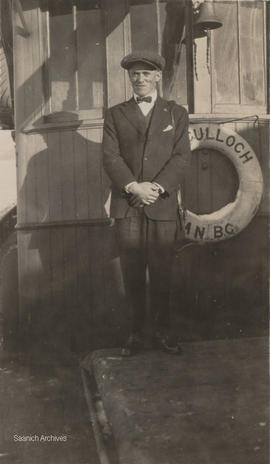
point(147, 243)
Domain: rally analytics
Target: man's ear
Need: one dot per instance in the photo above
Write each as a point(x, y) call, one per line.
point(158, 76)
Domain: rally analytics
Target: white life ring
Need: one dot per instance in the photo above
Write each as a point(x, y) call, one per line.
point(234, 217)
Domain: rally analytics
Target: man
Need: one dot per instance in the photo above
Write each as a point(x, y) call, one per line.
point(146, 150)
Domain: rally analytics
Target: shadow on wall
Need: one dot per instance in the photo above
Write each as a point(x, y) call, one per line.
point(64, 181)
point(69, 277)
point(71, 287)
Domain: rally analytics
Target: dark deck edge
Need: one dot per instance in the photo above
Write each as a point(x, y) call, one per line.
point(105, 443)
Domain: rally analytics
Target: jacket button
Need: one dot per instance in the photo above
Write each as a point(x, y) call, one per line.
point(145, 158)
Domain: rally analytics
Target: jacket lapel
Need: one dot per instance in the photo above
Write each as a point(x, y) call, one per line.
point(161, 117)
point(132, 113)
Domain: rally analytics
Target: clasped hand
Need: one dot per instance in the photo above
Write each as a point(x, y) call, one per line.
point(143, 193)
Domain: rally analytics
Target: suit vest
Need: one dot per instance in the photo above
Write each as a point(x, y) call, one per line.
point(144, 120)
point(144, 124)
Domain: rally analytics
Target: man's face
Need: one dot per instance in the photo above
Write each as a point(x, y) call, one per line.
point(143, 78)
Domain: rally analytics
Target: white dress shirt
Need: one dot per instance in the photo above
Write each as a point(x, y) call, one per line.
point(146, 107)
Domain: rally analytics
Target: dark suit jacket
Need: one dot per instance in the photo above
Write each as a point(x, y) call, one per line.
point(160, 154)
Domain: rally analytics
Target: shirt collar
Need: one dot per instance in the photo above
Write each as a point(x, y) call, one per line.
point(152, 94)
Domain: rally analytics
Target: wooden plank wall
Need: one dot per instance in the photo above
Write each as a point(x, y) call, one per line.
point(67, 268)
point(62, 180)
point(69, 284)
point(64, 268)
point(238, 82)
point(221, 290)
point(69, 273)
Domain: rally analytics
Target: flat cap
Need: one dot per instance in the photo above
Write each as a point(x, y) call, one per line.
point(151, 58)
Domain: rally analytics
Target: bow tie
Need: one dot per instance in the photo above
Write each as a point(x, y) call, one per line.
point(143, 99)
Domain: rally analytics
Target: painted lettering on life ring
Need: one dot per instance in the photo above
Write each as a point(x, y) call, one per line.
point(233, 217)
point(219, 231)
point(216, 134)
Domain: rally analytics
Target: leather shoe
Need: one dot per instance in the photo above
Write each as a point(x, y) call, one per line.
point(168, 344)
point(133, 346)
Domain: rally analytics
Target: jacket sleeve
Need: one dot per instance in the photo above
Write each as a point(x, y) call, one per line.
point(172, 173)
point(114, 164)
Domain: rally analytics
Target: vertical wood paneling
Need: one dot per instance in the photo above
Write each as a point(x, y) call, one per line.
point(19, 74)
point(67, 176)
point(257, 135)
point(84, 282)
point(191, 190)
point(22, 106)
point(73, 312)
point(70, 268)
point(42, 177)
point(21, 149)
point(28, 96)
point(225, 69)
point(71, 298)
point(36, 78)
point(43, 243)
point(82, 185)
point(33, 196)
point(224, 181)
point(55, 176)
point(94, 173)
point(221, 289)
point(251, 41)
point(30, 182)
point(65, 271)
point(29, 273)
point(63, 57)
point(117, 46)
point(249, 131)
point(61, 176)
point(202, 79)
point(143, 22)
point(177, 88)
point(172, 21)
point(57, 268)
point(238, 82)
point(204, 181)
point(34, 272)
point(90, 49)
point(264, 138)
point(22, 263)
point(29, 89)
point(28, 84)
point(44, 60)
point(96, 275)
point(211, 182)
point(85, 290)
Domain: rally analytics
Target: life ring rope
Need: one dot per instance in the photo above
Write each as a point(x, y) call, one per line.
point(232, 218)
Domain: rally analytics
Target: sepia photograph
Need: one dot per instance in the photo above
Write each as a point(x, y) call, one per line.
point(134, 243)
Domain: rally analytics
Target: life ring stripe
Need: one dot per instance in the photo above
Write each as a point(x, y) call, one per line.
point(232, 218)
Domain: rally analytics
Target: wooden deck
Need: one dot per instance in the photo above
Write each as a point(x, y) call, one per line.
point(43, 412)
point(207, 406)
